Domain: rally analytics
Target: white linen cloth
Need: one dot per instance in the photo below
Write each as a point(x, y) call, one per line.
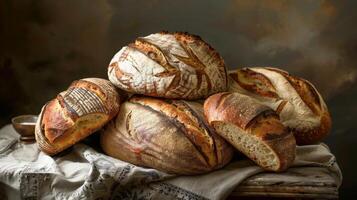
point(84, 173)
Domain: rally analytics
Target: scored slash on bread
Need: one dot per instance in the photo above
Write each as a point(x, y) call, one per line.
point(75, 113)
point(257, 116)
point(299, 104)
point(254, 129)
point(169, 135)
point(171, 65)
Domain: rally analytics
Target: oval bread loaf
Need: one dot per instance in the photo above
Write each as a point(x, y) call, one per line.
point(86, 106)
point(170, 65)
point(299, 104)
point(254, 129)
point(168, 135)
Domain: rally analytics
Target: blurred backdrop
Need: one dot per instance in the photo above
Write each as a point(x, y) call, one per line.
point(46, 44)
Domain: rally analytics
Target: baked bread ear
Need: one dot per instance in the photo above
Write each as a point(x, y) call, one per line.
point(83, 108)
point(254, 129)
point(299, 104)
point(168, 135)
point(171, 65)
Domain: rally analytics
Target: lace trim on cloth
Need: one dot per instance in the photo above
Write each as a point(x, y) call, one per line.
point(31, 184)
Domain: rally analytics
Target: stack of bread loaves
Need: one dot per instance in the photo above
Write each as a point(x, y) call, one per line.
point(185, 114)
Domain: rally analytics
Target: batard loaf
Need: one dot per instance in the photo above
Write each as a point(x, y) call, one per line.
point(83, 108)
point(170, 65)
point(168, 135)
point(254, 129)
point(299, 104)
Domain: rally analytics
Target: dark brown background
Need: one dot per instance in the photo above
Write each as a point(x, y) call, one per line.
point(44, 45)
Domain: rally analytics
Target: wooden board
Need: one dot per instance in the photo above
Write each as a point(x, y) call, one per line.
point(312, 183)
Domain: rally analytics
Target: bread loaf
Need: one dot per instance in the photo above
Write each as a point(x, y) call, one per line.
point(299, 104)
point(83, 108)
point(168, 135)
point(254, 129)
point(170, 65)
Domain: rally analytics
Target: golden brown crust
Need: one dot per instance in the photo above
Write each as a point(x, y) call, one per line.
point(57, 123)
point(43, 142)
point(313, 136)
point(285, 147)
point(281, 106)
point(108, 93)
point(177, 140)
point(269, 128)
point(305, 91)
point(254, 82)
point(184, 67)
point(255, 119)
point(234, 108)
point(308, 118)
point(66, 140)
point(181, 114)
point(186, 37)
point(77, 112)
point(152, 51)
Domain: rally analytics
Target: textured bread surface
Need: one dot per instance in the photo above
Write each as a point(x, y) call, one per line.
point(299, 104)
point(252, 128)
point(169, 135)
point(86, 106)
point(171, 65)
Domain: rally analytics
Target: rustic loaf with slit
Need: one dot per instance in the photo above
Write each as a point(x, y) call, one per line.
point(168, 135)
point(170, 65)
point(83, 108)
point(299, 104)
point(254, 129)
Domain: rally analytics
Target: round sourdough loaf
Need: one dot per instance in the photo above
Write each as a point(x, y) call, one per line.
point(299, 104)
point(253, 128)
point(168, 135)
point(86, 106)
point(171, 65)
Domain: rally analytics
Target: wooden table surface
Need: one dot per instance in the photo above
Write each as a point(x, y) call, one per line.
point(314, 183)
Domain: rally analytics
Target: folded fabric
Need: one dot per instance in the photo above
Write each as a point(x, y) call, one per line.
point(84, 173)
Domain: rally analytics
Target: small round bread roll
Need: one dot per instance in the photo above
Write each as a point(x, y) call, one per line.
point(168, 135)
point(299, 104)
point(170, 65)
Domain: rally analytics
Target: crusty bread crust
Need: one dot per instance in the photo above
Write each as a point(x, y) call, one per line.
point(237, 109)
point(171, 65)
point(248, 117)
point(76, 113)
point(301, 107)
point(313, 135)
point(169, 135)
